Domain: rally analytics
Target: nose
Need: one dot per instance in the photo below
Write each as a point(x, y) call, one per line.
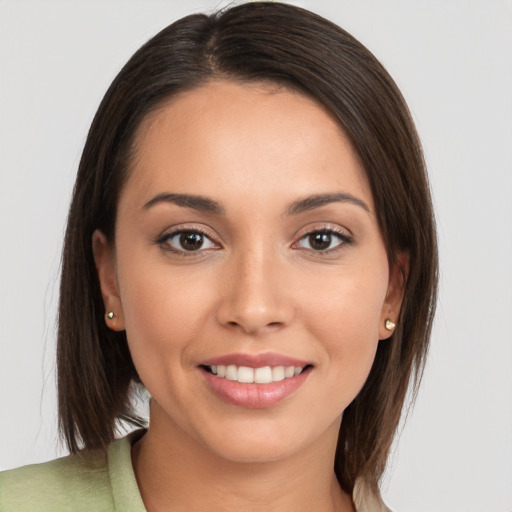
point(256, 296)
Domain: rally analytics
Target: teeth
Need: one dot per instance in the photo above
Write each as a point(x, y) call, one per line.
point(263, 375)
point(278, 373)
point(231, 372)
point(289, 371)
point(245, 374)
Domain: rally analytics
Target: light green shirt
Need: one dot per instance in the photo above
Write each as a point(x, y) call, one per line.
point(93, 482)
point(97, 481)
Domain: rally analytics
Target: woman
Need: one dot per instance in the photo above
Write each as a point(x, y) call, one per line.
point(251, 239)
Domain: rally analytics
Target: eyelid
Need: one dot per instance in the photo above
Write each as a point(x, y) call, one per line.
point(169, 233)
point(346, 238)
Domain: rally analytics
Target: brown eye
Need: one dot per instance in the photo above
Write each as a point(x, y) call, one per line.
point(323, 240)
point(320, 241)
point(187, 241)
point(191, 241)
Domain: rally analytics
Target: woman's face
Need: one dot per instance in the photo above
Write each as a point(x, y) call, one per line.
point(247, 246)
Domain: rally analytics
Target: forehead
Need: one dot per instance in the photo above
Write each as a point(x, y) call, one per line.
point(251, 136)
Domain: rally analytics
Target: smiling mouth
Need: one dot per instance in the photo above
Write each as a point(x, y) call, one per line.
point(248, 375)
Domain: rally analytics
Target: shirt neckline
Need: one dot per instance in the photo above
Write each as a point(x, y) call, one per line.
point(125, 491)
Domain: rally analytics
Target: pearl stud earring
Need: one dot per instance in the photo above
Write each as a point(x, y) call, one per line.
point(389, 324)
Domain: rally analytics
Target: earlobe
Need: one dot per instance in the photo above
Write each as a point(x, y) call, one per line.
point(398, 274)
point(104, 259)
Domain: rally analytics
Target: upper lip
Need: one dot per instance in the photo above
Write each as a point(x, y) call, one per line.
point(255, 360)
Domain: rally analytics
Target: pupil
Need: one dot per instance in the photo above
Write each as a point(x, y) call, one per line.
point(320, 241)
point(191, 241)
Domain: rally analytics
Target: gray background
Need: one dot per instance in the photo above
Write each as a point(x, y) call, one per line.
point(453, 61)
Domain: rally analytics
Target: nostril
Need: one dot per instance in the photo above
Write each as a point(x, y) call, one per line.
point(252, 328)
point(251, 313)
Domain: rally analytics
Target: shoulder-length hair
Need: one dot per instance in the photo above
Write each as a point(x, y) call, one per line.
point(295, 48)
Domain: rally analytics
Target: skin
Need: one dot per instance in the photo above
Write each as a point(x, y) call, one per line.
point(256, 285)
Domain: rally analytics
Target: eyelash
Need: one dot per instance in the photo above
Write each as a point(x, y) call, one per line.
point(343, 237)
point(164, 241)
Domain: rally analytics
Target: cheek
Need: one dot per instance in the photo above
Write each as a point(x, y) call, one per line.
point(163, 311)
point(345, 319)
point(348, 306)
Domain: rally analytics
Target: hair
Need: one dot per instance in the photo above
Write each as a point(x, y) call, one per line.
point(291, 47)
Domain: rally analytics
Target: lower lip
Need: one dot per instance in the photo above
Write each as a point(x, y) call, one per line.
point(255, 396)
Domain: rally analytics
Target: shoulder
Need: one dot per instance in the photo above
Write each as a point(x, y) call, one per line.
point(77, 482)
point(99, 481)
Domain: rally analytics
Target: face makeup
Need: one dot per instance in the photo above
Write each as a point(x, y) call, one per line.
point(248, 270)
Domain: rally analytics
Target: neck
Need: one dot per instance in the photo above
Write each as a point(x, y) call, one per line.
point(175, 472)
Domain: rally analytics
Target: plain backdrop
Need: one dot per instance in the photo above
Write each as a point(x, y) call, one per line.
point(453, 61)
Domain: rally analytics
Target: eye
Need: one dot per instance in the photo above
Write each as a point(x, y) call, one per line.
point(323, 240)
point(187, 241)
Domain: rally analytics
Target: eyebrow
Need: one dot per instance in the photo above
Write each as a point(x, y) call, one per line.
point(318, 200)
point(205, 204)
point(201, 203)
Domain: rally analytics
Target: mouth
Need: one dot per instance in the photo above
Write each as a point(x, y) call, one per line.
point(259, 375)
point(255, 381)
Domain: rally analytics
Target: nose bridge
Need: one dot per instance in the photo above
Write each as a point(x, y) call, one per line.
point(255, 294)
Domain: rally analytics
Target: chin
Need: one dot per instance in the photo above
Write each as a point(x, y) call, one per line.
point(255, 452)
point(269, 441)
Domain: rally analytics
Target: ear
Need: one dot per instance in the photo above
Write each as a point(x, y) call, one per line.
point(104, 258)
point(398, 274)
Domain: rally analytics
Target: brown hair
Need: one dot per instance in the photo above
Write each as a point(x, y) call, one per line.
point(293, 47)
